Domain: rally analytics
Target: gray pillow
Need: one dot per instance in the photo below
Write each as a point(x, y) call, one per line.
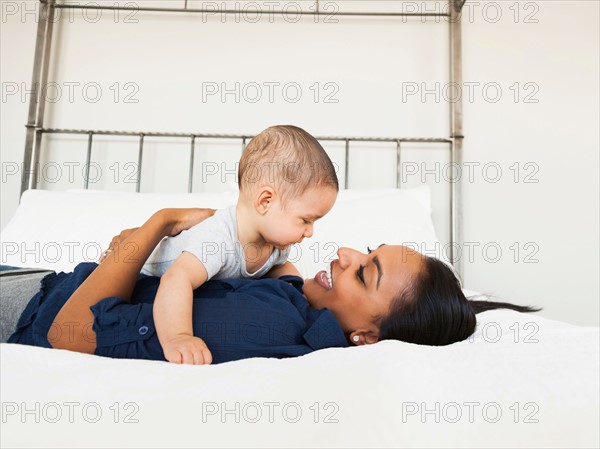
point(17, 287)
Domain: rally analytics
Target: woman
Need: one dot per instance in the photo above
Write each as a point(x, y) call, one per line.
point(390, 293)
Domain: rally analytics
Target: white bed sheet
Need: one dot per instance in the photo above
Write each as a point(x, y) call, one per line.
point(378, 392)
point(375, 396)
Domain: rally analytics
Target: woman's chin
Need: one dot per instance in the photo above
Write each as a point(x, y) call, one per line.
point(313, 292)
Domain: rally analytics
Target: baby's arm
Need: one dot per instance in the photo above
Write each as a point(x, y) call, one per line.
point(286, 268)
point(173, 311)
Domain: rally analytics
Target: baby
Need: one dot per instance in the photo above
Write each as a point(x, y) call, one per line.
point(286, 183)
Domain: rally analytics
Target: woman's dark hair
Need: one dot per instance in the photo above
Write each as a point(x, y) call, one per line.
point(434, 310)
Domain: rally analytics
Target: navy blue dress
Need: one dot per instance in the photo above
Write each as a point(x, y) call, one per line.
point(237, 318)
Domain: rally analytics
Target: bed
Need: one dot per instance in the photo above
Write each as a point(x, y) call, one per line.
point(520, 381)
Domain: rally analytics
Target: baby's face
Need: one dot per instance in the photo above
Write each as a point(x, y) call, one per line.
point(285, 226)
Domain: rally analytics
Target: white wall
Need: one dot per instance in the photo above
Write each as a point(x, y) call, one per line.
point(559, 134)
point(550, 50)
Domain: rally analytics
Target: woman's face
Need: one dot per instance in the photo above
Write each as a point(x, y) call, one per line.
point(363, 287)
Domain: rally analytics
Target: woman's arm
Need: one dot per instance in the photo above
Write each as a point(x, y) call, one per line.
point(116, 276)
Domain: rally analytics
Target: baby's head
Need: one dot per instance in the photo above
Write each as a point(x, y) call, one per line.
point(288, 181)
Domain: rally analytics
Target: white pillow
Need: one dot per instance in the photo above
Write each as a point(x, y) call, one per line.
point(59, 229)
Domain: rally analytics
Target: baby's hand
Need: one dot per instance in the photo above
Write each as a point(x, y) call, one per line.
point(187, 349)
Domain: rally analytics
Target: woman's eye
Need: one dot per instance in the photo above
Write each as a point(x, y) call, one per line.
point(369, 250)
point(360, 274)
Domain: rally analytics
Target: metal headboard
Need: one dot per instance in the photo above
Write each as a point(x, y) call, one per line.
point(36, 129)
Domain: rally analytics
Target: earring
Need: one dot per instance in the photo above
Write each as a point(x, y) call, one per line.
point(355, 338)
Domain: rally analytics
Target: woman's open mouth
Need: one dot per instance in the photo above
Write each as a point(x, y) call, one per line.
point(324, 279)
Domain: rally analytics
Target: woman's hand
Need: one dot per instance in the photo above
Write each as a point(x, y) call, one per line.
point(181, 219)
point(116, 240)
point(177, 220)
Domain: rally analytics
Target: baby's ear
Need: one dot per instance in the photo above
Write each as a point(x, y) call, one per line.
point(264, 198)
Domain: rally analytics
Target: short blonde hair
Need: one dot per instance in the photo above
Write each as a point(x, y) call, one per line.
point(287, 157)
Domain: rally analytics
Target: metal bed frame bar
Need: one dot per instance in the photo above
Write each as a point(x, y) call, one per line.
point(185, 9)
point(35, 121)
point(234, 136)
point(243, 137)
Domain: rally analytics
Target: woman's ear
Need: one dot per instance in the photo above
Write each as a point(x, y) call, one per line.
point(363, 337)
point(264, 198)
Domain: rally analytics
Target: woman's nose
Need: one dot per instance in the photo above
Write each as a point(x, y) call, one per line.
point(347, 256)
